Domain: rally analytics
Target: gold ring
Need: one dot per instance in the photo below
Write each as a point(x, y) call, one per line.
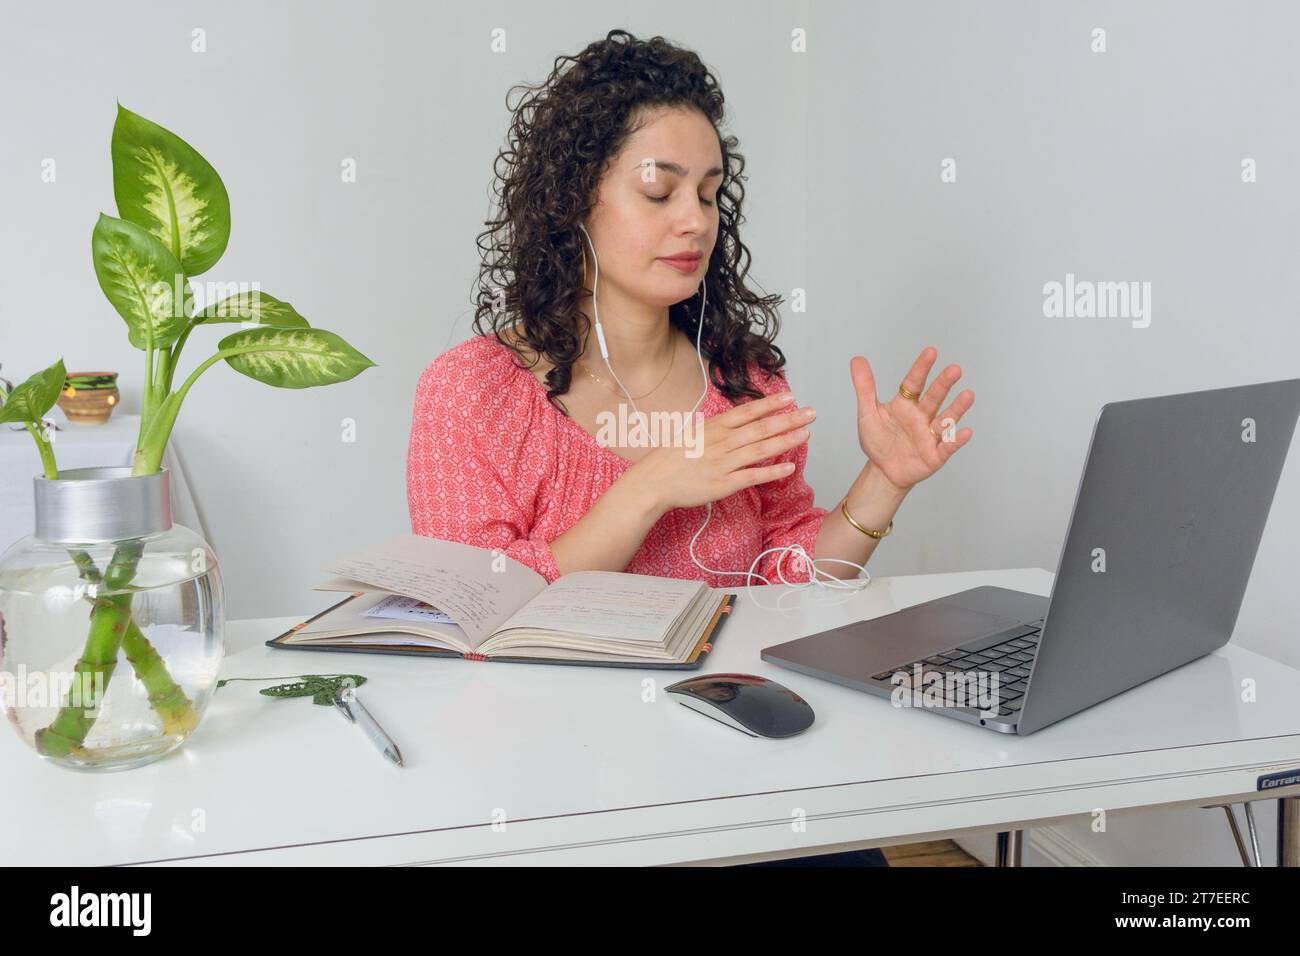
point(931, 427)
point(910, 396)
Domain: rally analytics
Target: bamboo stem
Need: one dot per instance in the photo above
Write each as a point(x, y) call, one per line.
point(165, 695)
point(108, 624)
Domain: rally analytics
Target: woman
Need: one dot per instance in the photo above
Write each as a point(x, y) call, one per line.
point(617, 180)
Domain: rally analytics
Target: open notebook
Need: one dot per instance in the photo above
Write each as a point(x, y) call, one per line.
point(422, 596)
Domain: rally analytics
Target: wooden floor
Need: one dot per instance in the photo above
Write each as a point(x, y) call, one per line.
point(935, 853)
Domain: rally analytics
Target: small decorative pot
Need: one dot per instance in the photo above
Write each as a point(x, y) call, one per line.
point(88, 398)
point(111, 622)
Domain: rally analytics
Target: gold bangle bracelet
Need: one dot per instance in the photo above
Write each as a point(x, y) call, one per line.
point(844, 507)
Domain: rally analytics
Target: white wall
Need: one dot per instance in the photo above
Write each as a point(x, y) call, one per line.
point(1116, 166)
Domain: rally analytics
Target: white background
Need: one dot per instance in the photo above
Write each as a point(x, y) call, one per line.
point(1122, 166)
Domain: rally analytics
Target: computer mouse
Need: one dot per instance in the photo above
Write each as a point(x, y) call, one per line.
point(753, 705)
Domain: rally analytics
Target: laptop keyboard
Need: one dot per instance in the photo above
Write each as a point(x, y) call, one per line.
point(1009, 653)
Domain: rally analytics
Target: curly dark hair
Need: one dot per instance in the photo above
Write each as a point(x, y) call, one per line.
point(563, 133)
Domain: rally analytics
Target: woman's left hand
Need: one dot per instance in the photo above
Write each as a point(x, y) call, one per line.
point(899, 437)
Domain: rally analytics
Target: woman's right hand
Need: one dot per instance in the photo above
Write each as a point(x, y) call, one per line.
point(731, 444)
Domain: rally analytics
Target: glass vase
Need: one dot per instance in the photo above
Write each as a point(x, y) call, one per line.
point(111, 622)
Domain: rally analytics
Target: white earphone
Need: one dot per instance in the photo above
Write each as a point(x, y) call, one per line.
point(833, 583)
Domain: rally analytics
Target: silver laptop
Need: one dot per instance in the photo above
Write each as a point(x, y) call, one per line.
point(1166, 524)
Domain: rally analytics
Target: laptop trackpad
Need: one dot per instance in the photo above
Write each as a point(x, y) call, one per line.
point(919, 632)
point(894, 639)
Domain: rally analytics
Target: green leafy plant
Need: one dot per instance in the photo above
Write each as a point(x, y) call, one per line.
point(174, 224)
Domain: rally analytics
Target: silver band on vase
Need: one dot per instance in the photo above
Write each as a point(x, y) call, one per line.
point(102, 504)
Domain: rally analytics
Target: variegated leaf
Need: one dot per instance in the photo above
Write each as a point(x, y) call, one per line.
point(253, 306)
point(162, 184)
point(30, 401)
point(293, 358)
point(141, 277)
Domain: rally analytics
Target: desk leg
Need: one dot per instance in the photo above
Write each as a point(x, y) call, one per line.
point(1236, 832)
point(1254, 837)
point(1288, 831)
point(1008, 852)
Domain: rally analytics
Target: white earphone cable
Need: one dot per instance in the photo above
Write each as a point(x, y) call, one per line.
point(833, 583)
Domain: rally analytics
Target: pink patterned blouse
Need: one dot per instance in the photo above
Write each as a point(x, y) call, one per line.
point(493, 463)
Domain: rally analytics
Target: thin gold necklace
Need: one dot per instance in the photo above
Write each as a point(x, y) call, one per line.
point(672, 358)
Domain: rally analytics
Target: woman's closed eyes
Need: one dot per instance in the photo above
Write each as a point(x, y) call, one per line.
point(665, 199)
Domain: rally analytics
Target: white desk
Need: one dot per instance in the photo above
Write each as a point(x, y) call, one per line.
point(583, 770)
